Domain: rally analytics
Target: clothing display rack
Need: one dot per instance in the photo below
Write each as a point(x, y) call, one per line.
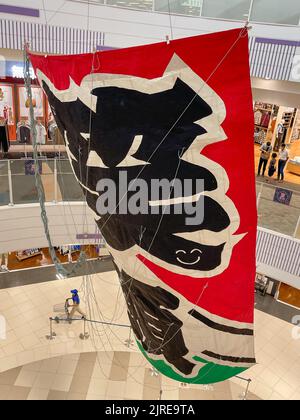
point(28, 253)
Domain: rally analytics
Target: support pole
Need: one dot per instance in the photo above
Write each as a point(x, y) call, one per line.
point(85, 335)
point(55, 182)
point(245, 394)
point(297, 228)
point(10, 186)
point(52, 333)
point(129, 341)
point(247, 389)
point(259, 194)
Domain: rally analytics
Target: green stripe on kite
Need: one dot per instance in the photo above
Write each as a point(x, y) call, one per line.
point(211, 373)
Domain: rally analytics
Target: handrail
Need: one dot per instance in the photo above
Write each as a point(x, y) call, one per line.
point(62, 179)
point(200, 15)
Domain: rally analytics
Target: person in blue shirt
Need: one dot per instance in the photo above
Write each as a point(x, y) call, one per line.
point(76, 305)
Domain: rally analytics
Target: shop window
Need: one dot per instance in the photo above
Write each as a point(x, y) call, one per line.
point(230, 9)
point(276, 11)
point(183, 7)
point(133, 4)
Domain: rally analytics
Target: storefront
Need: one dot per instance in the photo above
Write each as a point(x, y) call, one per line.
point(40, 257)
point(14, 112)
point(15, 128)
point(280, 291)
point(279, 125)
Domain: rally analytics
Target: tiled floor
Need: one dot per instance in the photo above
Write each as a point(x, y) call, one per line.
point(59, 372)
point(277, 309)
point(100, 376)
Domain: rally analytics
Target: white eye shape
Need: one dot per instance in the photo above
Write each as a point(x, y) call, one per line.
point(198, 251)
point(130, 160)
point(95, 161)
point(86, 136)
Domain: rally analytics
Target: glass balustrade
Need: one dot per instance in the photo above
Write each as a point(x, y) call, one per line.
point(17, 187)
point(263, 11)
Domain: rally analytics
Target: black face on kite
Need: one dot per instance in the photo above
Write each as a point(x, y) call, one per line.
point(145, 136)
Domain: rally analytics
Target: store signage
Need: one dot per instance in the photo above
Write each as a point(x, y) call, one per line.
point(92, 236)
point(193, 3)
point(16, 10)
point(13, 69)
point(30, 167)
point(18, 72)
point(283, 196)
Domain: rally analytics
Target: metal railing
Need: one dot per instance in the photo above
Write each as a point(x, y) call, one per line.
point(17, 181)
point(17, 186)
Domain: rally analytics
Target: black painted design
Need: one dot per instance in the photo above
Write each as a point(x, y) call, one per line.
point(231, 359)
point(220, 327)
point(158, 330)
point(121, 115)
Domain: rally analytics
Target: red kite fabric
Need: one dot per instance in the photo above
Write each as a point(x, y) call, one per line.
point(175, 112)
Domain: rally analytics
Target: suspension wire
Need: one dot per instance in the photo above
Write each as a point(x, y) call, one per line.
point(206, 286)
point(170, 20)
point(150, 158)
point(95, 332)
point(241, 35)
point(47, 21)
point(60, 269)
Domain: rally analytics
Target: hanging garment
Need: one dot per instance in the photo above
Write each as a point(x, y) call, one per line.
point(40, 134)
point(25, 134)
point(257, 117)
point(188, 284)
point(265, 120)
point(4, 142)
point(261, 136)
point(52, 128)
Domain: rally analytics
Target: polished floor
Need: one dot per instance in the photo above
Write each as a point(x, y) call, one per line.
point(106, 376)
point(27, 310)
point(289, 176)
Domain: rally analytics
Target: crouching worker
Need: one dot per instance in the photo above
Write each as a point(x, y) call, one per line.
point(76, 305)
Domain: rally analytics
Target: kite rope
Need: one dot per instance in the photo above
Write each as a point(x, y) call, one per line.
point(182, 114)
point(61, 270)
point(85, 281)
point(241, 35)
point(219, 64)
point(81, 176)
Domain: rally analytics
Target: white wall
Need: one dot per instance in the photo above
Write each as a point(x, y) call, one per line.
point(125, 27)
point(21, 225)
point(276, 92)
point(279, 275)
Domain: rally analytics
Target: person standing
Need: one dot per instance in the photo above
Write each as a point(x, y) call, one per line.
point(283, 159)
point(76, 305)
point(272, 166)
point(266, 150)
